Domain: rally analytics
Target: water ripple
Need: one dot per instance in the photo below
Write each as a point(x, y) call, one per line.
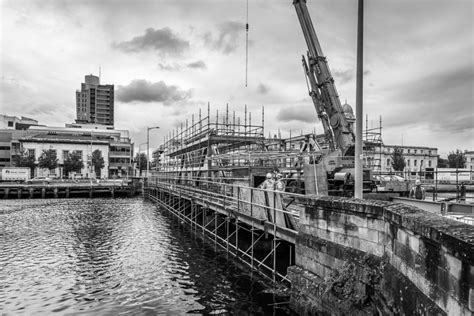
point(113, 256)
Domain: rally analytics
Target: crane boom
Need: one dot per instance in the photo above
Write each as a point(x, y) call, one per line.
point(323, 91)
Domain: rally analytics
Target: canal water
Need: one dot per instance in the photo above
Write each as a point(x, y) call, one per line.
point(117, 256)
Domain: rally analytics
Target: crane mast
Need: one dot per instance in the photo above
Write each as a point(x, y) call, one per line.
point(323, 91)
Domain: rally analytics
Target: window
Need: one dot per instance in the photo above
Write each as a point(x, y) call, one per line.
point(421, 151)
point(415, 151)
point(10, 123)
point(31, 152)
point(65, 154)
point(388, 162)
point(78, 152)
point(429, 152)
point(414, 163)
point(408, 162)
point(408, 150)
point(429, 163)
point(421, 163)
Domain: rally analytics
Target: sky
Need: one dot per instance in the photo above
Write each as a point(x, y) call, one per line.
point(168, 59)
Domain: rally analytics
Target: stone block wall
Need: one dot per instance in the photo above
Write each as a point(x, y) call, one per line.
point(361, 256)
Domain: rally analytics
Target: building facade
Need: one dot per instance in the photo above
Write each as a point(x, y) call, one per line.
point(12, 128)
point(469, 160)
point(63, 145)
point(115, 147)
point(16, 123)
point(95, 102)
point(417, 158)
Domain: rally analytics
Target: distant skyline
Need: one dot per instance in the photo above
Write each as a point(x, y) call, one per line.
point(169, 58)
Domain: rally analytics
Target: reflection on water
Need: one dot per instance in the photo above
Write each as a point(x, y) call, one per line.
point(115, 256)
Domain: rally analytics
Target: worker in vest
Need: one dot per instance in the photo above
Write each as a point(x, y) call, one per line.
point(417, 192)
point(269, 183)
point(280, 183)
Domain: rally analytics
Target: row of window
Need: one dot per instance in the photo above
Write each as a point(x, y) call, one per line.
point(120, 160)
point(408, 151)
point(414, 163)
point(120, 149)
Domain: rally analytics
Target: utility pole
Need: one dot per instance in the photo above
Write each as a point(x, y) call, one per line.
point(359, 98)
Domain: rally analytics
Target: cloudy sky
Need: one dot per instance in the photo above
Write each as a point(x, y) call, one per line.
point(168, 58)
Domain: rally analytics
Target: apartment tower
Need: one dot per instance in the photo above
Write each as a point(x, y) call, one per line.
point(95, 102)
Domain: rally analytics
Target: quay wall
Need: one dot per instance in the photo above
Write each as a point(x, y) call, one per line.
point(66, 190)
point(374, 257)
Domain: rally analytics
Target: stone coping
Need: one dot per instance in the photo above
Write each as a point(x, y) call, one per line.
point(458, 237)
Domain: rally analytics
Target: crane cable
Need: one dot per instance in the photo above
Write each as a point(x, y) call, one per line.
point(247, 44)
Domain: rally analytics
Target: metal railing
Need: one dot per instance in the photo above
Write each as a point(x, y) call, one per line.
point(256, 210)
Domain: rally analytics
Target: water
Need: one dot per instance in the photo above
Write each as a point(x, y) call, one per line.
point(116, 256)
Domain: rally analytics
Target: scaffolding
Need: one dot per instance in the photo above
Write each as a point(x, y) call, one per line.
point(256, 226)
point(227, 149)
point(373, 146)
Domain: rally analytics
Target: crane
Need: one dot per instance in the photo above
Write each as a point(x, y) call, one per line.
point(329, 109)
point(322, 89)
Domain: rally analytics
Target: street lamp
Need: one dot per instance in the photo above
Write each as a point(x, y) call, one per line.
point(148, 148)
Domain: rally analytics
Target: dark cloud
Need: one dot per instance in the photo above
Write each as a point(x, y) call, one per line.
point(262, 89)
point(227, 38)
point(445, 99)
point(197, 64)
point(162, 40)
point(343, 76)
point(145, 91)
point(169, 67)
point(305, 113)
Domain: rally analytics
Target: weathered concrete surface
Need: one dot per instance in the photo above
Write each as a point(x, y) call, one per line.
point(363, 257)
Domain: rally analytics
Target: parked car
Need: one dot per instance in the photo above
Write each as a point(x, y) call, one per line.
point(39, 180)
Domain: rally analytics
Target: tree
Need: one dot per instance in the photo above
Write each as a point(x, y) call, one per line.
point(97, 162)
point(457, 159)
point(25, 160)
point(48, 160)
point(442, 163)
point(73, 163)
point(141, 161)
point(398, 160)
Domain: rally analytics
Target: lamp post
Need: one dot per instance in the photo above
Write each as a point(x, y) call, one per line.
point(148, 148)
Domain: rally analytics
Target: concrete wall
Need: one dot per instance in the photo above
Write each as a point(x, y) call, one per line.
point(361, 256)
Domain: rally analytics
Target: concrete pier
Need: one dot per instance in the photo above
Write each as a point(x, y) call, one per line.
point(68, 189)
